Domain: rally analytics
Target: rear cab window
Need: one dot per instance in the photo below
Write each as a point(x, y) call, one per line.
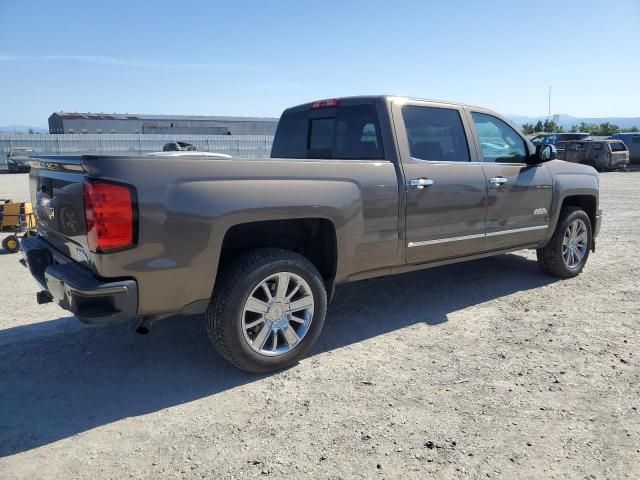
point(350, 132)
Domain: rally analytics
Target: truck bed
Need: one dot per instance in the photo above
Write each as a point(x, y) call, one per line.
point(184, 206)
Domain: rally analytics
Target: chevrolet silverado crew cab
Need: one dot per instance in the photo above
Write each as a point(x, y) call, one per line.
point(355, 188)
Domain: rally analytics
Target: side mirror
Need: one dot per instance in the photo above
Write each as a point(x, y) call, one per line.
point(544, 153)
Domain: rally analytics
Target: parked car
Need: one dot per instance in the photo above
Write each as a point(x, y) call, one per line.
point(17, 160)
point(179, 147)
point(632, 141)
point(356, 188)
point(554, 138)
point(600, 154)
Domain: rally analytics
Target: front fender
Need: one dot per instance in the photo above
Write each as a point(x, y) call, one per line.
point(571, 180)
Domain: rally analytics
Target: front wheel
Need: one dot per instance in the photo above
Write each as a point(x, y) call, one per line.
point(568, 250)
point(267, 310)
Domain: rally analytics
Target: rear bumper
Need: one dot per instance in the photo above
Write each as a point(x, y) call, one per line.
point(76, 289)
point(618, 162)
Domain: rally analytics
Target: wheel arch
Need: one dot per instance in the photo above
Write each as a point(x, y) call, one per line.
point(586, 199)
point(588, 203)
point(314, 238)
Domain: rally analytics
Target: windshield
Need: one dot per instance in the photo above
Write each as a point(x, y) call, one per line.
point(22, 152)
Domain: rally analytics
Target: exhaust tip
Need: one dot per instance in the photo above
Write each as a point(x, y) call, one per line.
point(142, 330)
point(144, 324)
point(143, 327)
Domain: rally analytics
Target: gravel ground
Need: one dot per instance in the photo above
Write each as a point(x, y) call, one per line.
point(476, 370)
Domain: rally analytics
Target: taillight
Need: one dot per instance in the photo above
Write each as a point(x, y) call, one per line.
point(109, 216)
point(324, 104)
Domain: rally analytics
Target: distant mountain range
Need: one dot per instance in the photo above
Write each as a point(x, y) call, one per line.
point(566, 121)
point(22, 129)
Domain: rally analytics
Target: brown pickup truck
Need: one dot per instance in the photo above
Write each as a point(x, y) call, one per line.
point(356, 188)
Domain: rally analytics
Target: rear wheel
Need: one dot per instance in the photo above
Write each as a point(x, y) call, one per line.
point(568, 250)
point(267, 310)
point(11, 244)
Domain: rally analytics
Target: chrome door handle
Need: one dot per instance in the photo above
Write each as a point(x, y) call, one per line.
point(421, 182)
point(498, 180)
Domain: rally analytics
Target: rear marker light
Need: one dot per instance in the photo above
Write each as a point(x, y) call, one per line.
point(109, 216)
point(324, 104)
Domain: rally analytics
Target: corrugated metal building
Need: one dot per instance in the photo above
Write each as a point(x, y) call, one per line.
point(97, 123)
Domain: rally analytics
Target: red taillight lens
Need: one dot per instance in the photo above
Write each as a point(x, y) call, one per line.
point(109, 216)
point(333, 102)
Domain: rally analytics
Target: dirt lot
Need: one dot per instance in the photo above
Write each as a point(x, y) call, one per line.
point(484, 369)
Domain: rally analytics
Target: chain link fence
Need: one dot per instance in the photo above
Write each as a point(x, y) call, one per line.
point(245, 146)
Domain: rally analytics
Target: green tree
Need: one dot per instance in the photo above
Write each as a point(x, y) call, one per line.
point(585, 127)
point(31, 131)
point(606, 129)
point(551, 126)
point(538, 127)
point(528, 128)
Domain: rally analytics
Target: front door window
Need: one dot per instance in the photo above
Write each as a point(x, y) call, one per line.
point(499, 142)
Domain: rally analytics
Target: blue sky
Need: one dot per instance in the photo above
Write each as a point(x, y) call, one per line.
point(239, 57)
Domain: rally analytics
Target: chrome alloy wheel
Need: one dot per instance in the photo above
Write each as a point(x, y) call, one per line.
point(574, 243)
point(277, 314)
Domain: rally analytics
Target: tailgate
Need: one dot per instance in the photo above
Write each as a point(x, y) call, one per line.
point(619, 158)
point(56, 185)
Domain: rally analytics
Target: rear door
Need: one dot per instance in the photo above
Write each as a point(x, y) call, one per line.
point(518, 194)
point(445, 186)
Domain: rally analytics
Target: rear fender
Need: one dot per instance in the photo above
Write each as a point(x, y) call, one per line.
point(201, 210)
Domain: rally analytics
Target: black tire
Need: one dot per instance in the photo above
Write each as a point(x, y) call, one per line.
point(11, 244)
point(234, 285)
point(550, 257)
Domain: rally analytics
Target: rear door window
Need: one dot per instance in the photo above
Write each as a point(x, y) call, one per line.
point(435, 134)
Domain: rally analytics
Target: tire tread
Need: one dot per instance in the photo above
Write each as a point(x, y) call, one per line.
point(228, 285)
point(549, 258)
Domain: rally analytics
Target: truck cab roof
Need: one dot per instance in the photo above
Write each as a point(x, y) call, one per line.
point(372, 99)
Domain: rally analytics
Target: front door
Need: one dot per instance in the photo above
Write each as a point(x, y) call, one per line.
point(445, 187)
point(518, 195)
